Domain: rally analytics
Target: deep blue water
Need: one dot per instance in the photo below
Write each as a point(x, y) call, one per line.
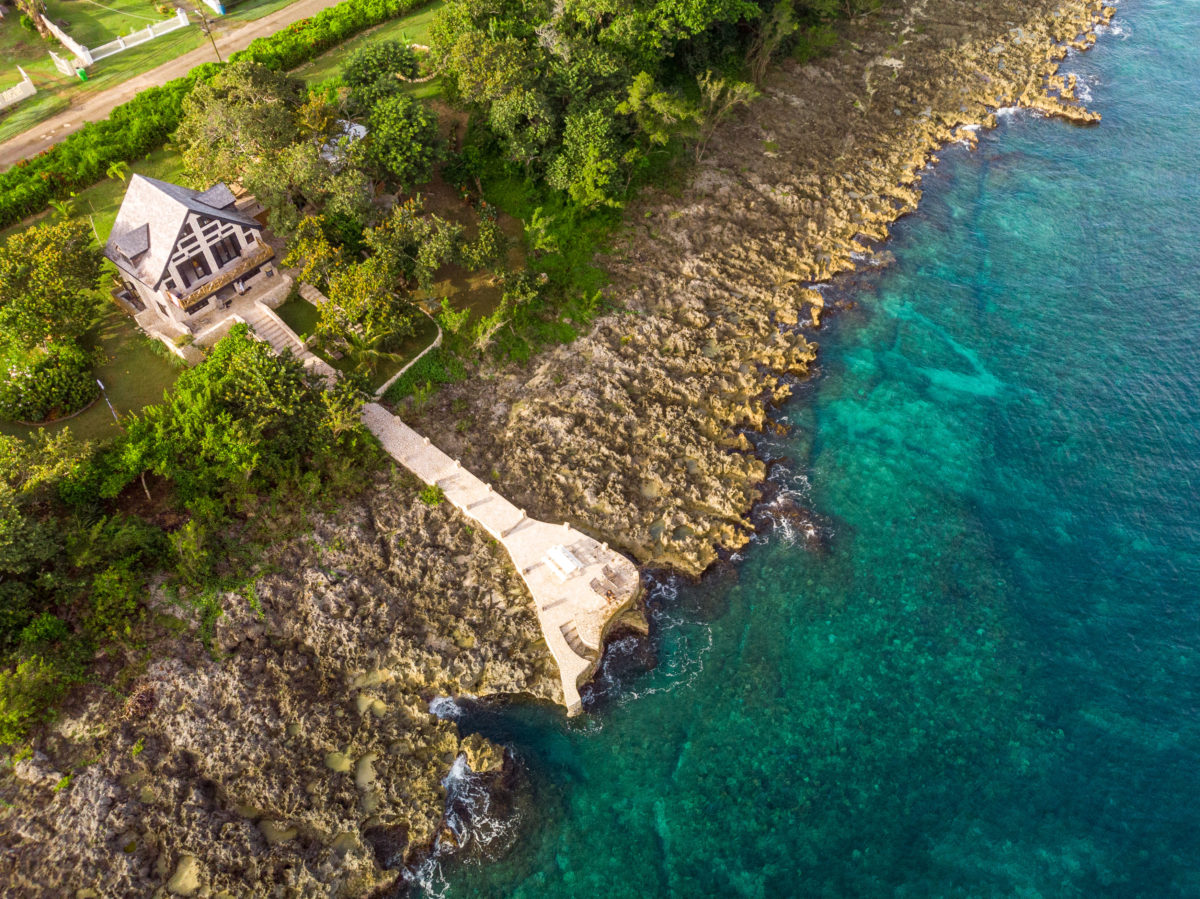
point(988, 685)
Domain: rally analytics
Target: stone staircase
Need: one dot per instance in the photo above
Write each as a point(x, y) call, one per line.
point(279, 336)
point(270, 328)
point(571, 634)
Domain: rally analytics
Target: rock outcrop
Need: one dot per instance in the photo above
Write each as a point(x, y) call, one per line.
point(637, 431)
point(303, 754)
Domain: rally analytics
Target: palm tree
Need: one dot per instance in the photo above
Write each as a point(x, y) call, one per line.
point(118, 171)
point(64, 208)
point(366, 352)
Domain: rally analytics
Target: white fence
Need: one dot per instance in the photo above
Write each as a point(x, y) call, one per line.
point(149, 33)
point(86, 57)
point(66, 66)
point(82, 55)
point(16, 94)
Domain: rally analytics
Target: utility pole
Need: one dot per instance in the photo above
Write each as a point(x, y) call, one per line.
point(206, 26)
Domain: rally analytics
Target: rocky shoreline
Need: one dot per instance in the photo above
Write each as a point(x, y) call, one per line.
point(302, 754)
point(301, 757)
point(636, 432)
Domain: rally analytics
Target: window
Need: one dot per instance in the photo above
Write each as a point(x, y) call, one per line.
point(225, 251)
point(163, 310)
point(195, 269)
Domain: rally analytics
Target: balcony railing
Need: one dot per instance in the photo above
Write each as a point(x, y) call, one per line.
point(254, 258)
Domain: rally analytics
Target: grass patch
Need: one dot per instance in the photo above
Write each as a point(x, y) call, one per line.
point(435, 368)
point(300, 315)
point(92, 24)
point(102, 200)
point(432, 495)
point(413, 28)
point(135, 372)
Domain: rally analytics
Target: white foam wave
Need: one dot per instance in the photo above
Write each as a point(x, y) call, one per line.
point(689, 642)
point(445, 707)
point(1006, 112)
point(470, 820)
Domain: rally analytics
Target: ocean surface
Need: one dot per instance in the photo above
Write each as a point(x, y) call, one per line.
point(981, 675)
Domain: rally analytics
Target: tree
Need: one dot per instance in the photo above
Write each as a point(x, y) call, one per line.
point(363, 299)
point(246, 113)
point(779, 24)
point(304, 174)
point(243, 420)
point(118, 170)
point(47, 275)
point(403, 140)
point(721, 96)
point(415, 244)
point(587, 164)
point(376, 71)
point(659, 114)
point(35, 9)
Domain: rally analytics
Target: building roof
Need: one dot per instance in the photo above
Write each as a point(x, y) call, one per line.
point(151, 217)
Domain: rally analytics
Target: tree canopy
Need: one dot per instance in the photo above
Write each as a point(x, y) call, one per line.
point(47, 275)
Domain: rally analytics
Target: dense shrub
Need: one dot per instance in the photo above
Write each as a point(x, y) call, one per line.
point(47, 383)
point(145, 123)
point(28, 694)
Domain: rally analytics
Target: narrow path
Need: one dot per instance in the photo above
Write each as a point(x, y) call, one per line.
point(98, 105)
point(579, 586)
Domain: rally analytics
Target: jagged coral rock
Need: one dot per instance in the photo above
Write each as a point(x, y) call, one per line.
point(635, 432)
point(306, 757)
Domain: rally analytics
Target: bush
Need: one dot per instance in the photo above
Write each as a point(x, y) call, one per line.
point(45, 630)
point(372, 71)
point(47, 383)
point(402, 139)
point(432, 495)
point(28, 694)
point(114, 599)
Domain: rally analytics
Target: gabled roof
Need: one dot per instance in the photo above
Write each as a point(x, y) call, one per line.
point(218, 196)
point(151, 217)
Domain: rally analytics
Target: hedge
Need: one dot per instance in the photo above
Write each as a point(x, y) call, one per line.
point(145, 123)
point(51, 383)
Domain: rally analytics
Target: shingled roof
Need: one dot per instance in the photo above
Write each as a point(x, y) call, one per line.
point(151, 217)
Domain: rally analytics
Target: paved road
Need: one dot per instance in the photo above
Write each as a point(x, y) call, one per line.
point(98, 105)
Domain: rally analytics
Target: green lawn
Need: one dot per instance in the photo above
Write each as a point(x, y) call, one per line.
point(134, 373)
point(300, 315)
point(93, 25)
point(413, 28)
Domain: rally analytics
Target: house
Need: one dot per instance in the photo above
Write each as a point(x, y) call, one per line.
point(184, 253)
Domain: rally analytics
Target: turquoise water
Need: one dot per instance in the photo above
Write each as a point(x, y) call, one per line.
point(984, 680)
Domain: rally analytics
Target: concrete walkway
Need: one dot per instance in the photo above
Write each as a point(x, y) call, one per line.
point(95, 106)
point(578, 585)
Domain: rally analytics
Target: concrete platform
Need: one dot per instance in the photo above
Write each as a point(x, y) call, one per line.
point(578, 585)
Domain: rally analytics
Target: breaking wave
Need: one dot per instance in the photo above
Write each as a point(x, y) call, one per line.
point(476, 831)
